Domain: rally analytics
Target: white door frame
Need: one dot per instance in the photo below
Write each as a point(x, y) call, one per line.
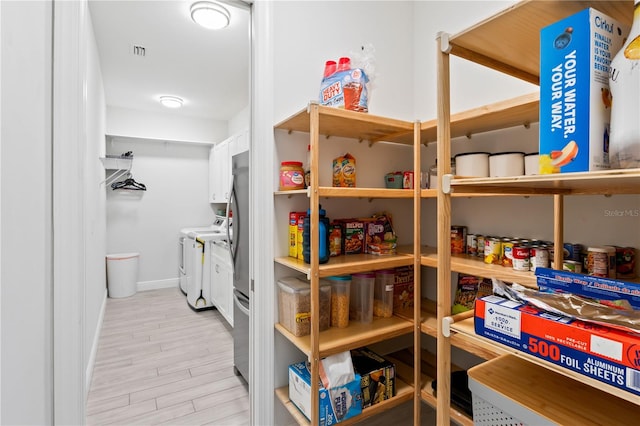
point(69, 139)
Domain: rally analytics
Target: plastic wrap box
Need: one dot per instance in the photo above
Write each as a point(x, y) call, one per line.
point(347, 399)
point(378, 376)
point(575, 104)
point(588, 286)
point(605, 354)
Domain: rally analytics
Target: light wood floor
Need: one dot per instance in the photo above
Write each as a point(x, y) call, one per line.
point(158, 362)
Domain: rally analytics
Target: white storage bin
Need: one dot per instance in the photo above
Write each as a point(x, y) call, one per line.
point(122, 274)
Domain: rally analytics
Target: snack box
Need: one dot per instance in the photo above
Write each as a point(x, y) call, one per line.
point(347, 399)
point(588, 286)
point(403, 288)
point(575, 103)
point(293, 232)
point(378, 376)
point(373, 232)
point(352, 236)
point(605, 354)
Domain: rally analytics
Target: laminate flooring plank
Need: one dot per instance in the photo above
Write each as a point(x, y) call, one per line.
point(157, 360)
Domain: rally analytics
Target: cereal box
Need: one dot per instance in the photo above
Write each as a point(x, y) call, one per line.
point(403, 288)
point(300, 239)
point(605, 354)
point(293, 233)
point(575, 102)
point(353, 236)
point(344, 171)
point(469, 289)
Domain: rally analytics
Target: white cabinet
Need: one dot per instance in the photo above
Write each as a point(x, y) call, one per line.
point(220, 165)
point(222, 280)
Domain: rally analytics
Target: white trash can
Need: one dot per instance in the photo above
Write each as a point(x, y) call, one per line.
point(122, 274)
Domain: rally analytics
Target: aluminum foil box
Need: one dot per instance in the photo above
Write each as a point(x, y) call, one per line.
point(604, 354)
point(575, 102)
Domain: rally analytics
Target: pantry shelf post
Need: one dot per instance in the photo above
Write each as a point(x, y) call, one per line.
point(417, 329)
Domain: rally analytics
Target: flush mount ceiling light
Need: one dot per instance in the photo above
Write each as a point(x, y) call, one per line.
point(210, 15)
point(171, 101)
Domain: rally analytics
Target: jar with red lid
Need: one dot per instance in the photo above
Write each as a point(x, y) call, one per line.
point(291, 175)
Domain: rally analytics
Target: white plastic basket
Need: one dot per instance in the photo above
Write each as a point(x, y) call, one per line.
point(487, 414)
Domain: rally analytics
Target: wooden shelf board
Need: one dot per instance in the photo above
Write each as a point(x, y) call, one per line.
point(349, 264)
point(465, 331)
point(404, 393)
point(335, 340)
point(403, 361)
point(428, 316)
point(623, 181)
point(475, 266)
point(519, 111)
point(325, 191)
point(517, 32)
point(351, 124)
point(552, 396)
point(291, 192)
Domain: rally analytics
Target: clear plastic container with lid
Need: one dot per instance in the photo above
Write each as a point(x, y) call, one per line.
point(340, 294)
point(361, 302)
point(383, 293)
point(294, 305)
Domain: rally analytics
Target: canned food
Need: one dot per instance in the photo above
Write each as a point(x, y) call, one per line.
point(506, 256)
point(492, 250)
point(520, 258)
point(480, 244)
point(458, 239)
point(572, 251)
point(572, 266)
point(538, 257)
point(601, 261)
point(472, 245)
point(625, 262)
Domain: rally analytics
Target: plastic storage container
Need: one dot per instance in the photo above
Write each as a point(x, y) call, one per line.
point(506, 164)
point(531, 163)
point(383, 293)
point(340, 294)
point(361, 302)
point(323, 242)
point(294, 305)
point(472, 164)
point(122, 274)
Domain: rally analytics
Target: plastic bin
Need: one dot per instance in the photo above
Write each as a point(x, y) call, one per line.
point(361, 300)
point(383, 293)
point(294, 305)
point(340, 293)
point(122, 274)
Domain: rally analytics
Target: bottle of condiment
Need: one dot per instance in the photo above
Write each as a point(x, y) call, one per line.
point(323, 241)
point(624, 85)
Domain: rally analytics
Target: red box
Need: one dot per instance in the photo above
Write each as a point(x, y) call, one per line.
point(605, 354)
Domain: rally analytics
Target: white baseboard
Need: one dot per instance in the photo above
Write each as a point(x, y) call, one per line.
point(94, 347)
point(158, 284)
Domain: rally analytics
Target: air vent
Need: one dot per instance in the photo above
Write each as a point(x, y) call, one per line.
point(139, 50)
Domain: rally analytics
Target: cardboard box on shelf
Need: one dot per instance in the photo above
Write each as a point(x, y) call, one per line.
point(575, 103)
point(403, 288)
point(336, 404)
point(605, 354)
point(293, 232)
point(378, 376)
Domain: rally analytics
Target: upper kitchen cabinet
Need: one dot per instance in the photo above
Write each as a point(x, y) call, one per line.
point(220, 165)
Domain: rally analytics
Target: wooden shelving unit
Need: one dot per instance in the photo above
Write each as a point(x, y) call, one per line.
point(507, 42)
point(328, 122)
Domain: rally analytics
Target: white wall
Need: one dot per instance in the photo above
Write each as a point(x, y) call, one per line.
point(26, 387)
point(163, 126)
point(148, 222)
point(240, 121)
point(94, 204)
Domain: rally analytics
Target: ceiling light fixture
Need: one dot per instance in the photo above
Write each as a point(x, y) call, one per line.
point(171, 101)
point(210, 15)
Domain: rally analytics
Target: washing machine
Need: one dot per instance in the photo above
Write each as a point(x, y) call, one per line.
point(198, 267)
point(186, 247)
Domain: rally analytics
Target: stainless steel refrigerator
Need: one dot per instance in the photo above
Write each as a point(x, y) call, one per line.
point(238, 207)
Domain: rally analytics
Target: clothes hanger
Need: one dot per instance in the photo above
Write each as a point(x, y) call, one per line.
point(129, 183)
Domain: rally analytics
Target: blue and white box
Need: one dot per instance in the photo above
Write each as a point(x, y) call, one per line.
point(336, 404)
point(575, 102)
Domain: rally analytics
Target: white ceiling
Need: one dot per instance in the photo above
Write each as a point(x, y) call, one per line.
point(208, 69)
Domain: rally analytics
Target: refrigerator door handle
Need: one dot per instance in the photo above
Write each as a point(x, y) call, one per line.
point(233, 248)
point(240, 299)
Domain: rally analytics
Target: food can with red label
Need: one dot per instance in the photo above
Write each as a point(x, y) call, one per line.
point(472, 245)
point(538, 257)
point(492, 250)
point(520, 258)
point(458, 239)
point(601, 261)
